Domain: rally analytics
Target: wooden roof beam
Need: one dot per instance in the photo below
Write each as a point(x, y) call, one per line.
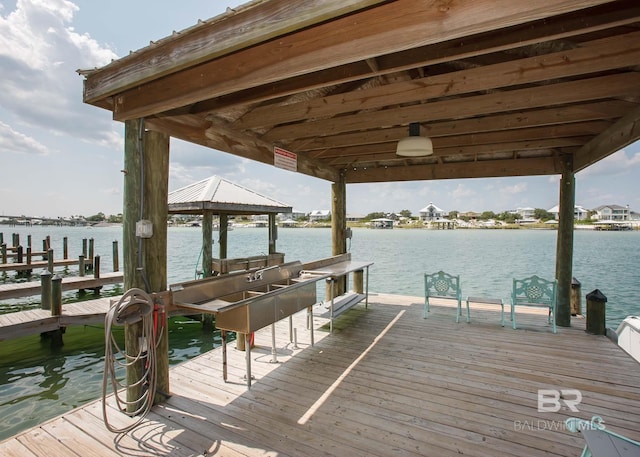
point(370, 33)
point(621, 134)
point(479, 169)
point(502, 122)
point(600, 55)
point(611, 86)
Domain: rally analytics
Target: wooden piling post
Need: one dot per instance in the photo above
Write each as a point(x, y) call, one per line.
point(65, 248)
point(50, 260)
point(84, 247)
point(16, 240)
point(28, 241)
point(3, 249)
point(44, 249)
point(358, 281)
point(20, 255)
point(90, 258)
point(56, 310)
point(56, 295)
point(29, 255)
point(146, 161)
point(1, 237)
point(596, 313)
point(96, 267)
point(116, 265)
point(81, 265)
point(576, 298)
point(45, 289)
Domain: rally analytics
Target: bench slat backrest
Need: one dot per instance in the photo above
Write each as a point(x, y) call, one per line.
point(534, 290)
point(442, 284)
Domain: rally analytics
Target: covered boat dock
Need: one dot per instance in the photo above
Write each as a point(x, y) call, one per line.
point(328, 89)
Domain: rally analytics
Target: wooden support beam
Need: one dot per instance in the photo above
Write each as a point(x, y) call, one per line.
point(492, 169)
point(564, 245)
point(207, 247)
point(339, 226)
point(621, 134)
point(146, 190)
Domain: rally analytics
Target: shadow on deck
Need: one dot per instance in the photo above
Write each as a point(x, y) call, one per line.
point(387, 382)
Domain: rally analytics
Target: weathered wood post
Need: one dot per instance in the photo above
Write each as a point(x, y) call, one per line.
point(56, 310)
point(90, 258)
point(96, 267)
point(564, 244)
point(116, 262)
point(20, 254)
point(207, 246)
point(207, 257)
point(3, 249)
point(65, 248)
point(29, 255)
point(339, 225)
point(28, 241)
point(81, 261)
point(358, 281)
point(16, 240)
point(50, 264)
point(45, 290)
point(223, 237)
point(84, 247)
point(273, 233)
point(45, 247)
point(146, 183)
point(596, 313)
point(576, 297)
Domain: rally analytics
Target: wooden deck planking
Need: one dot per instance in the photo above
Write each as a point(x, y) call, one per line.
point(425, 387)
point(27, 289)
point(23, 323)
point(44, 264)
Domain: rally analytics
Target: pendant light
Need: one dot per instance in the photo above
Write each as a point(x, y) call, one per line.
point(414, 145)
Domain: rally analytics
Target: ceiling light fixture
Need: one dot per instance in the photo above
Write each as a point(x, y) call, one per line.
point(414, 145)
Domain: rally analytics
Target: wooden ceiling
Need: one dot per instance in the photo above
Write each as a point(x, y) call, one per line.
point(502, 87)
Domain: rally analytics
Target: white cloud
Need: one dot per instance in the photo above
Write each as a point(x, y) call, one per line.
point(515, 189)
point(16, 142)
point(617, 163)
point(39, 56)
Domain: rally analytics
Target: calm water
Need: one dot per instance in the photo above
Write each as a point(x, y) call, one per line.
point(37, 384)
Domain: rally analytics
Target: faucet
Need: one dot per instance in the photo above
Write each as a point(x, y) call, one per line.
point(257, 275)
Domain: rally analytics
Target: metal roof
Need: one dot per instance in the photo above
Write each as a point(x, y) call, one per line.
point(219, 195)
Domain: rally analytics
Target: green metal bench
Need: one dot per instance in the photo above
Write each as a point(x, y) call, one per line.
point(601, 442)
point(534, 291)
point(442, 285)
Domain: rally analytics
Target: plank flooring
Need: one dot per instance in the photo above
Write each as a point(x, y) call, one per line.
point(387, 382)
point(22, 323)
point(27, 289)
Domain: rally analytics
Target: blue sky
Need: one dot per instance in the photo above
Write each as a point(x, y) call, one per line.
point(60, 157)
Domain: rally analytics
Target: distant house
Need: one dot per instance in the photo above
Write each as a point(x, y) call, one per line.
point(526, 214)
point(292, 215)
point(612, 213)
point(355, 217)
point(319, 215)
point(431, 213)
point(579, 213)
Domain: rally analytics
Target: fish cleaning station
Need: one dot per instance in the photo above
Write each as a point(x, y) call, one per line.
point(350, 92)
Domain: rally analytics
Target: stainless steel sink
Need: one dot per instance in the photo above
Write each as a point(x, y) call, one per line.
point(246, 302)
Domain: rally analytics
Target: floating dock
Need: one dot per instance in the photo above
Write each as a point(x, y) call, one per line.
point(386, 382)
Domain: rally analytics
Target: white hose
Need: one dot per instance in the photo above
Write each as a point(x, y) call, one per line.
point(133, 306)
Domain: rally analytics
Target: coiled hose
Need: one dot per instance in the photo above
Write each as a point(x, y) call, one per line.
point(134, 306)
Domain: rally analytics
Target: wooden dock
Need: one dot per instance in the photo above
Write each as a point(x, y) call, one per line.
point(23, 323)
point(387, 382)
point(39, 264)
point(27, 289)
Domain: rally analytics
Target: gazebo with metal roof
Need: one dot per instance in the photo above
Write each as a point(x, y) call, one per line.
point(219, 196)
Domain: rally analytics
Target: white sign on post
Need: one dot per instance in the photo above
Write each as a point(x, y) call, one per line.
point(285, 159)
